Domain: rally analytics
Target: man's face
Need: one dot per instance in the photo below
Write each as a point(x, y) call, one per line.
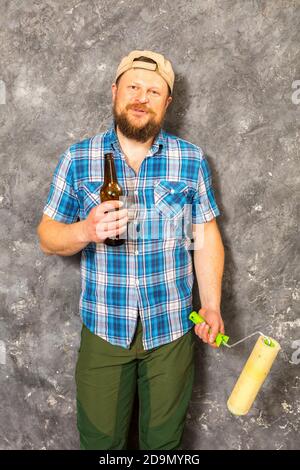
point(140, 102)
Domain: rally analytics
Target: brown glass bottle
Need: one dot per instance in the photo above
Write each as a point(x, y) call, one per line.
point(111, 191)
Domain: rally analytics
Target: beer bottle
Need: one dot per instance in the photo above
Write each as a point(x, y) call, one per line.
point(111, 191)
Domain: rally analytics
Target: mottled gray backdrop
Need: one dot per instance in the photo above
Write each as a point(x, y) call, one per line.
point(235, 63)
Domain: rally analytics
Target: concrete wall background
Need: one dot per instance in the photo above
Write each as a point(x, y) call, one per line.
point(235, 63)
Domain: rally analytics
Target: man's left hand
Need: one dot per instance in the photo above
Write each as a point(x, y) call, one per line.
point(213, 321)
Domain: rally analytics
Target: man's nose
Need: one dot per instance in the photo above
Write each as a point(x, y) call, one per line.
point(142, 96)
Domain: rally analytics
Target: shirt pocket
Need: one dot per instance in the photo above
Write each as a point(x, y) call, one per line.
point(170, 198)
point(89, 197)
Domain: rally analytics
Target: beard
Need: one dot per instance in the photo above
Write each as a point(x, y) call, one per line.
point(130, 130)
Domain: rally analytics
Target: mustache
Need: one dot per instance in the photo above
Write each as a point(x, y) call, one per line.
point(139, 107)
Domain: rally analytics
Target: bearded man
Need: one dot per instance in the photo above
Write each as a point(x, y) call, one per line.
point(136, 298)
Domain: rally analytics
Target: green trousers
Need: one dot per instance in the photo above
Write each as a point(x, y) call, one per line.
point(106, 379)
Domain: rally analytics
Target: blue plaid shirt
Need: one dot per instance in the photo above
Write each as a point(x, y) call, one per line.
point(151, 274)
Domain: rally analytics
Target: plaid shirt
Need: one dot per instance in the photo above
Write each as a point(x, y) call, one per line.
point(151, 274)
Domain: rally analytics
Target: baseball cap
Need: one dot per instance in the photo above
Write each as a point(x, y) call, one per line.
point(162, 65)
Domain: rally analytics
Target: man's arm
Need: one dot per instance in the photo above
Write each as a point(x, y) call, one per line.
point(209, 267)
point(103, 221)
point(57, 238)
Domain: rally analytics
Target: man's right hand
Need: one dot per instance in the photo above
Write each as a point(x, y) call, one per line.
point(104, 221)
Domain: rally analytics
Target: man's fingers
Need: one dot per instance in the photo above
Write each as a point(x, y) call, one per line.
point(214, 332)
point(209, 331)
point(202, 331)
point(205, 333)
point(108, 206)
point(199, 328)
point(115, 215)
point(114, 225)
point(115, 232)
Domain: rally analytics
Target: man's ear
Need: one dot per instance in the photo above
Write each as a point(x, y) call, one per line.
point(169, 101)
point(114, 88)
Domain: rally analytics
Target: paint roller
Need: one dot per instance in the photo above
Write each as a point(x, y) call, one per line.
point(254, 372)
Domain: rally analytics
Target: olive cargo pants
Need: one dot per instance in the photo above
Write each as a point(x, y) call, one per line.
point(106, 377)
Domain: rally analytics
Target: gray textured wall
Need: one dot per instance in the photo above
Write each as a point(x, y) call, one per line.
point(235, 62)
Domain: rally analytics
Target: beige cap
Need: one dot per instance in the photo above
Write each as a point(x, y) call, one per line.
point(162, 66)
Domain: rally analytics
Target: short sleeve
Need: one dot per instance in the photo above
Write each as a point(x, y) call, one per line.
point(62, 204)
point(204, 206)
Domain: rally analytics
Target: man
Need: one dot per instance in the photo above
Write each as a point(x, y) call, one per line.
point(136, 298)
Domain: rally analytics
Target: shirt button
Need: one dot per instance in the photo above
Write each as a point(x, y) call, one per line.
point(136, 193)
point(136, 252)
point(172, 191)
point(136, 282)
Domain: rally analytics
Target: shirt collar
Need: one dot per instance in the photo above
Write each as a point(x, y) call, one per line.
point(111, 141)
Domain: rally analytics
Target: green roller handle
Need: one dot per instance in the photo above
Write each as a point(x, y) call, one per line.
point(220, 338)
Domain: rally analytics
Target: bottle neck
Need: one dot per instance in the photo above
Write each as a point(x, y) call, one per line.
point(109, 170)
